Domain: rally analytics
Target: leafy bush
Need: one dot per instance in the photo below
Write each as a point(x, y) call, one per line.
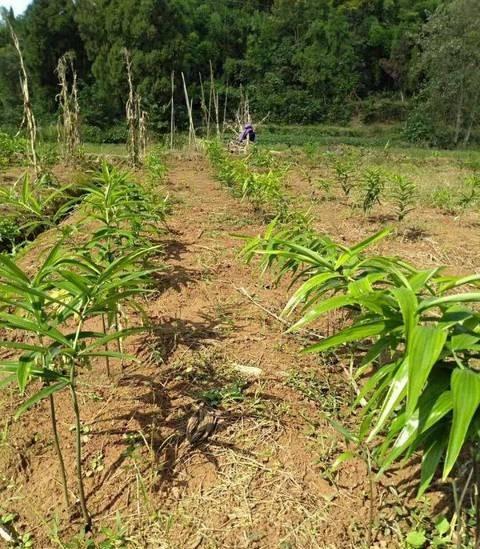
point(344, 172)
point(383, 109)
point(10, 233)
point(418, 128)
point(51, 306)
point(13, 150)
point(422, 342)
point(112, 134)
point(155, 164)
point(471, 194)
point(444, 199)
point(263, 188)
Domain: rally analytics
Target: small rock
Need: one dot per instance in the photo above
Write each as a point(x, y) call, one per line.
point(248, 371)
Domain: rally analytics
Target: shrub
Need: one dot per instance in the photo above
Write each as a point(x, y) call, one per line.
point(383, 109)
point(415, 332)
point(10, 233)
point(112, 134)
point(13, 150)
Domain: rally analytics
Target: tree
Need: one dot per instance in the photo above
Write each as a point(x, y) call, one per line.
point(451, 61)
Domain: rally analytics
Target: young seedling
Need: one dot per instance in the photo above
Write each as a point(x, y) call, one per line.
point(403, 191)
point(372, 187)
point(472, 191)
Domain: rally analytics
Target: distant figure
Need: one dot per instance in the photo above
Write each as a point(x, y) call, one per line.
point(248, 134)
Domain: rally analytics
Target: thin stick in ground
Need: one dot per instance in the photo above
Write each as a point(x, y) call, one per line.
point(172, 110)
point(191, 127)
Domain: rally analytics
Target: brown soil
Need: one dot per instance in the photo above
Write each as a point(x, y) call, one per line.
point(261, 481)
point(427, 237)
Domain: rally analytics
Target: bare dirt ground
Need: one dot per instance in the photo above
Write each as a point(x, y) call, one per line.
point(427, 237)
point(262, 480)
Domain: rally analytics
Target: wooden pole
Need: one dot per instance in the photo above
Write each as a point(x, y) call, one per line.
point(172, 111)
point(215, 100)
point(225, 110)
point(191, 129)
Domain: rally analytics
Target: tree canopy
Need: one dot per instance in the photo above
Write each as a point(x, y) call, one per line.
point(299, 60)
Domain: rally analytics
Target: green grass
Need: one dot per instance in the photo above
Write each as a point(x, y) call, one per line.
point(372, 135)
point(106, 148)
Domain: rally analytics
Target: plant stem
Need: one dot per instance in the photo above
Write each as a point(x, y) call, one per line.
point(118, 327)
point(107, 359)
point(56, 443)
point(56, 439)
point(458, 501)
point(76, 409)
point(476, 497)
point(78, 438)
point(371, 497)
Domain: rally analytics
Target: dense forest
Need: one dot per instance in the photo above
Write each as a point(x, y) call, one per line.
point(301, 61)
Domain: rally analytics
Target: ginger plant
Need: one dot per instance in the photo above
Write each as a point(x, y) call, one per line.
point(403, 192)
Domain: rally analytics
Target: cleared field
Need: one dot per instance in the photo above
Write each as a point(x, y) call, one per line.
point(214, 337)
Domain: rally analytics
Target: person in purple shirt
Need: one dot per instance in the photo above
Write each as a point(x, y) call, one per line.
point(248, 134)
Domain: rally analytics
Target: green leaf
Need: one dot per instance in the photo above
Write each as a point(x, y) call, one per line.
point(466, 399)
point(358, 248)
point(395, 393)
point(331, 304)
point(342, 430)
point(342, 458)
point(17, 322)
point(22, 346)
point(104, 339)
point(442, 525)
point(23, 373)
point(353, 333)
point(472, 297)
point(43, 393)
point(408, 306)
point(416, 539)
point(304, 290)
point(13, 268)
point(425, 349)
point(430, 460)
point(420, 279)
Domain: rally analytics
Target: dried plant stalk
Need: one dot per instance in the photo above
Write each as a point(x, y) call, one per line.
point(136, 119)
point(69, 118)
point(215, 100)
point(28, 116)
point(224, 123)
point(243, 115)
point(206, 114)
point(142, 133)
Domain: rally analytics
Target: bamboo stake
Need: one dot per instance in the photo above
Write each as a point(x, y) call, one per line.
point(225, 110)
point(206, 116)
point(215, 100)
point(172, 111)
point(28, 116)
point(142, 132)
point(191, 129)
point(210, 99)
